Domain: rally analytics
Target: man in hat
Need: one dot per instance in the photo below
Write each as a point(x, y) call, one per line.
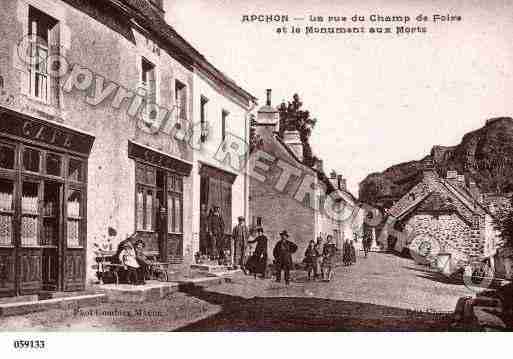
point(282, 253)
point(240, 237)
point(216, 232)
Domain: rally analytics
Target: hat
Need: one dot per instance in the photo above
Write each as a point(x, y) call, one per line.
point(284, 233)
point(140, 241)
point(241, 218)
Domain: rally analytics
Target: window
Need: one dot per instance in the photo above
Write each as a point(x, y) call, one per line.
point(6, 212)
point(45, 29)
point(148, 79)
point(224, 118)
point(6, 156)
point(75, 170)
point(53, 164)
point(203, 119)
point(31, 159)
point(145, 197)
point(181, 100)
point(74, 210)
point(175, 204)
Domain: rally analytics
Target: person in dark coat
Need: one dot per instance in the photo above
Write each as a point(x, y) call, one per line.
point(257, 263)
point(310, 260)
point(240, 237)
point(283, 256)
point(216, 232)
point(346, 255)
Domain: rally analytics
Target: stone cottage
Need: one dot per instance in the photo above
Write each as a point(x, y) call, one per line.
point(449, 213)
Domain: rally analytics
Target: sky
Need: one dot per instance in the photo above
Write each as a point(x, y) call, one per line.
point(380, 99)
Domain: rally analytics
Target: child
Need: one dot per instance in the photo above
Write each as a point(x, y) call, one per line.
point(127, 257)
point(310, 259)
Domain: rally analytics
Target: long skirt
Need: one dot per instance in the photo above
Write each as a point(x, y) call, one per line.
point(256, 264)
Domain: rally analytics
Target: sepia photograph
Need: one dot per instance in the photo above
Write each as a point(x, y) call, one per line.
point(255, 166)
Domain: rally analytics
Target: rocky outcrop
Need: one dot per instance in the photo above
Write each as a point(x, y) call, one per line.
point(484, 155)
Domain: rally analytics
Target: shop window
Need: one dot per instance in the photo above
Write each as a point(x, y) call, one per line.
point(74, 219)
point(30, 214)
point(75, 170)
point(175, 204)
point(6, 212)
point(31, 159)
point(145, 197)
point(148, 80)
point(45, 29)
point(50, 208)
point(7, 156)
point(53, 164)
point(181, 100)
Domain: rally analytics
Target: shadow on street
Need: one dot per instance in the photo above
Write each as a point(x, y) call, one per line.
point(309, 314)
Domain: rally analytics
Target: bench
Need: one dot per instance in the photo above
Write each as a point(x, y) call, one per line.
point(108, 266)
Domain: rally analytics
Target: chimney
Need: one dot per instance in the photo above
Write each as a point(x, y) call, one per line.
point(334, 179)
point(267, 115)
point(342, 183)
point(293, 141)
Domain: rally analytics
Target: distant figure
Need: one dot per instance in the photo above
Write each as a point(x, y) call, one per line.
point(328, 258)
point(346, 253)
point(216, 232)
point(353, 252)
point(283, 256)
point(367, 242)
point(257, 263)
point(240, 236)
point(310, 260)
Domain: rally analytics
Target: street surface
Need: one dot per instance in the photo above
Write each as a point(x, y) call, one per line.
point(380, 293)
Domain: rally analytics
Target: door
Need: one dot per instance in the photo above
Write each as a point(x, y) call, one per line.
point(7, 237)
point(74, 244)
point(30, 253)
point(51, 234)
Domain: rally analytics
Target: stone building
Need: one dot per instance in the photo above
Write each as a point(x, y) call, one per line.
point(287, 194)
point(450, 214)
point(95, 146)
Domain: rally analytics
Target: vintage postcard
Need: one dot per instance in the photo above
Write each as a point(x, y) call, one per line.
point(255, 166)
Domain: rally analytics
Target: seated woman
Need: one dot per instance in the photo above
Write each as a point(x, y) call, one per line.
point(142, 260)
point(128, 259)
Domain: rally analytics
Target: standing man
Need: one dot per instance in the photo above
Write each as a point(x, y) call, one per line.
point(216, 232)
point(240, 236)
point(283, 256)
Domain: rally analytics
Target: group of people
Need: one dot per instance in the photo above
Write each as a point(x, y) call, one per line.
point(256, 264)
point(349, 253)
point(319, 258)
point(212, 234)
point(131, 256)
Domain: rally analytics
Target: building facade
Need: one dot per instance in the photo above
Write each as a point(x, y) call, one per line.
point(287, 194)
point(97, 99)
